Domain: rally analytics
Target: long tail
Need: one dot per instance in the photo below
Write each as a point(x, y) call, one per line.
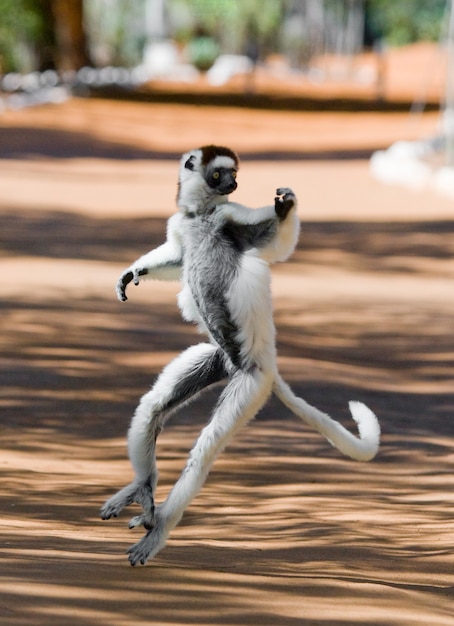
point(362, 448)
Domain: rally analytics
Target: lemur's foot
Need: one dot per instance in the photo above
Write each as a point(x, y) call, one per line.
point(150, 544)
point(144, 497)
point(146, 520)
point(142, 493)
point(285, 201)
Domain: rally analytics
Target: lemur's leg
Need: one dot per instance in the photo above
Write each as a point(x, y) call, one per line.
point(190, 373)
point(242, 398)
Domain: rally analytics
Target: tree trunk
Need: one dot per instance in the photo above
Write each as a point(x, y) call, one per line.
point(72, 49)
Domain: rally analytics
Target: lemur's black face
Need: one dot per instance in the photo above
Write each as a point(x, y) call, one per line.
point(219, 168)
point(205, 173)
point(221, 179)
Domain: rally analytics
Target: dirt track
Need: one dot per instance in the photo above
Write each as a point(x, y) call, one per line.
point(286, 532)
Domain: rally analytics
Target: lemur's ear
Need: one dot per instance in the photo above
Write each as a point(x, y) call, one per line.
point(189, 165)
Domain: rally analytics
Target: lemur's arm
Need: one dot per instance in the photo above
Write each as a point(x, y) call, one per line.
point(272, 230)
point(162, 263)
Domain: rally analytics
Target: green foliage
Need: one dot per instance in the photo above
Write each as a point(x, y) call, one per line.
point(231, 22)
point(15, 23)
point(27, 38)
point(23, 27)
point(121, 31)
point(202, 52)
point(398, 22)
point(405, 21)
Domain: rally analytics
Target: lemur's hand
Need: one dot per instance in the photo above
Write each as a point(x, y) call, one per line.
point(130, 275)
point(284, 201)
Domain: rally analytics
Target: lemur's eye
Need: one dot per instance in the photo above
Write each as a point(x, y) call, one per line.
point(216, 175)
point(234, 174)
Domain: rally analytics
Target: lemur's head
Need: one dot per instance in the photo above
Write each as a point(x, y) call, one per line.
point(206, 175)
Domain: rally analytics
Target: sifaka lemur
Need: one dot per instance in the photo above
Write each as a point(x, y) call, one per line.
point(221, 251)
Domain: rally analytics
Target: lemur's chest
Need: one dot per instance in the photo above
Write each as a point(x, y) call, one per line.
point(224, 288)
point(210, 259)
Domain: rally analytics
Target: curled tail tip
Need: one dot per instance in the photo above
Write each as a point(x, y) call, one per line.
point(368, 427)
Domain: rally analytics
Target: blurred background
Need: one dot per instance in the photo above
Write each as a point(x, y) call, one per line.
point(350, 103)
point(69, 34)
point(139, 40)
point(340, 54)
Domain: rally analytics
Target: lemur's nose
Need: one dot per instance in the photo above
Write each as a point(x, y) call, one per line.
point(228, 185)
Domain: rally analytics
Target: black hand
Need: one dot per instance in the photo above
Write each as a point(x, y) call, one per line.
point(140, 272)
point(122, 284)
point(283, 203)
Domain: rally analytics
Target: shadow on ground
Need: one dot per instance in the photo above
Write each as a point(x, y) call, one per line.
point(30, 142)
point(369, 245)
point(285, 531)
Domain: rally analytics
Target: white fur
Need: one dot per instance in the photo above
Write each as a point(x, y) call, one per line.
point(193, 190)
point(281, 246)
point(162, 262)
point(188, 307)
point(166, 253)
point(223, 161)
point(363, 448)
point(247, 303)
point(250, 305)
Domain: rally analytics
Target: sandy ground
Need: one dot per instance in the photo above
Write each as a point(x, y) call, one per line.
point(286, 531)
